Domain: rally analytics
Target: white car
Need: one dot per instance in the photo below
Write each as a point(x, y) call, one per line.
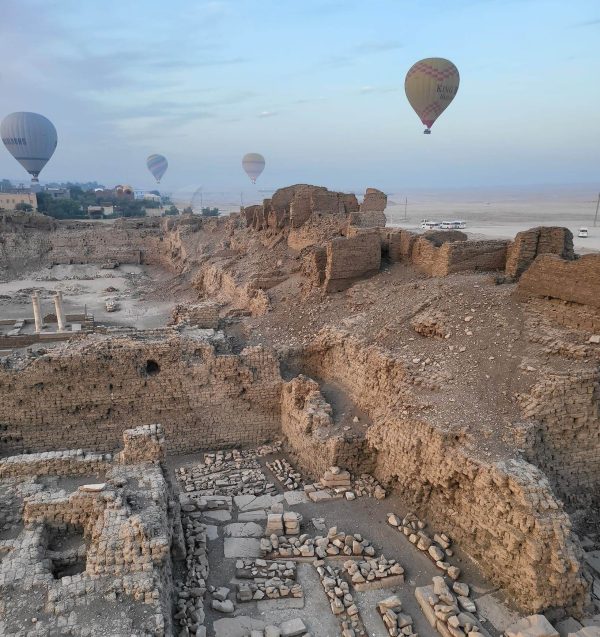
point(583, 233)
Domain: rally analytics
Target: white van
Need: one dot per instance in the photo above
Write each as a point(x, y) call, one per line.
point(583, 233)
point(429, 225)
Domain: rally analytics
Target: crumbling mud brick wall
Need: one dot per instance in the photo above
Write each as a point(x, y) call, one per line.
point(528, 244)
point(216, 281)
point(85, 395)
point(504, 511)
point(130, 526)
point(440, 255)
point(310, 432)
point(398, 245)
point(125, 241)
point(24, 240)
point(372, 210)
point(204, 315)
point(573, 281)
point(564, 439)
point(352, 258)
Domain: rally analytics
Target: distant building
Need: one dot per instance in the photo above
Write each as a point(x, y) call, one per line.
point(144, 194)
point(58, 193)
point(99, 212)
point(9, 200)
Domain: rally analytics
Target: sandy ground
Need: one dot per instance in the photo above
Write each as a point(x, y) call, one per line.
point(501, 219)
point(88, 287)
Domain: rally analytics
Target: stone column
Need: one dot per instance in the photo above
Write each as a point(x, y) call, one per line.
point(37, 312)
point(60, 317)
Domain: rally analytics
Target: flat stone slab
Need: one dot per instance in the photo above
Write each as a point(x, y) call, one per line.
point(236, 626)
point(378, 584)
point(217, 516)
point(295, 497)
point(283, 603)
point(319, 496)
point(253, 502)
point(495, 612)
point(241, 547)
point(244, 529)
point(212, 532)
point(252, 516)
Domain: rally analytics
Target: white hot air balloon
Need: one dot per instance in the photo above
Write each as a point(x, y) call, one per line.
point(253, 164)
point(31, 139)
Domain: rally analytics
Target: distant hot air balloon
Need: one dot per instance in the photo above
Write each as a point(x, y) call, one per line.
point(430, 86)
point(253, 164)
point(157, 165)
point(31, 139)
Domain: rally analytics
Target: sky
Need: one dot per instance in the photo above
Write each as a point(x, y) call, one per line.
point(316, 86)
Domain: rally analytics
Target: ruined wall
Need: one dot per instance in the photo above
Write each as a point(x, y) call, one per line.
point(573, 281)
point(564, 440)
point(458, 256)
point(351, 258)
point(86, 395)
point(528, 244)
point(311, 435)
point(504, 511)
point(371, 213)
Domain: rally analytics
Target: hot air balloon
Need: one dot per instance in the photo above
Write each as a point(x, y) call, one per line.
point(31, 139)
point(253, 164)
point(430, 86)
point(157, 165)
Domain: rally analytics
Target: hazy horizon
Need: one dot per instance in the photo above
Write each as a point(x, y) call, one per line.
point(317, 88)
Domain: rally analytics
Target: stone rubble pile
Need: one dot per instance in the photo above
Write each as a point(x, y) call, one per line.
point(220, 601)
point(396, 622)
point(270, 580)
point(287, 523)
point(450, 612)
point(376, 573)
point(286, 474)
point(226, 477)
point(337, 483)
point(290, 628)
point(332, 545)
point(437, 548)
point(190, 592)
point(341, 600)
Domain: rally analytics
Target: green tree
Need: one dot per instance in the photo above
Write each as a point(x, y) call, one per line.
point(171, 212)
point(25, 207)
point(59, 208)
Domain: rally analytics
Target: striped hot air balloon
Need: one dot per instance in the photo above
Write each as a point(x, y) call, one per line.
point(430, 86)
point(253, 164)
point(157, 165)
point(31, 139)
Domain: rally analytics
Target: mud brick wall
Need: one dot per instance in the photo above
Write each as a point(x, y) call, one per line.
point(504, 511)
point(86, 395)
point(311, 435)
point(351, 258)
point(528, 244)
point(574, 281)
point(124, 242)
point(400, 245)
point(63, 463)
point(458, 256)
point(580, 317)
point(565, 438)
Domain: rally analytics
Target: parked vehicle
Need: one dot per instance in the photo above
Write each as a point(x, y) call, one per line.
point(453, 225)
point(429, 225)
point(583, 233)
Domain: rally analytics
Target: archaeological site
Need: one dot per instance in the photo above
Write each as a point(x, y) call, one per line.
point(297, 420)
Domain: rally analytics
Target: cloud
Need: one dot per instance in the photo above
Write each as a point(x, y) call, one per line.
point(267, 114)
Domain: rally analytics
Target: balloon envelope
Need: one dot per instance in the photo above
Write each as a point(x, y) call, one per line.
point(30, 138)
point(430, 86)
point(253, 164)
point(157, 165)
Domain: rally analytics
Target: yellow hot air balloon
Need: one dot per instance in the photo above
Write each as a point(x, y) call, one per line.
point(430, 86)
